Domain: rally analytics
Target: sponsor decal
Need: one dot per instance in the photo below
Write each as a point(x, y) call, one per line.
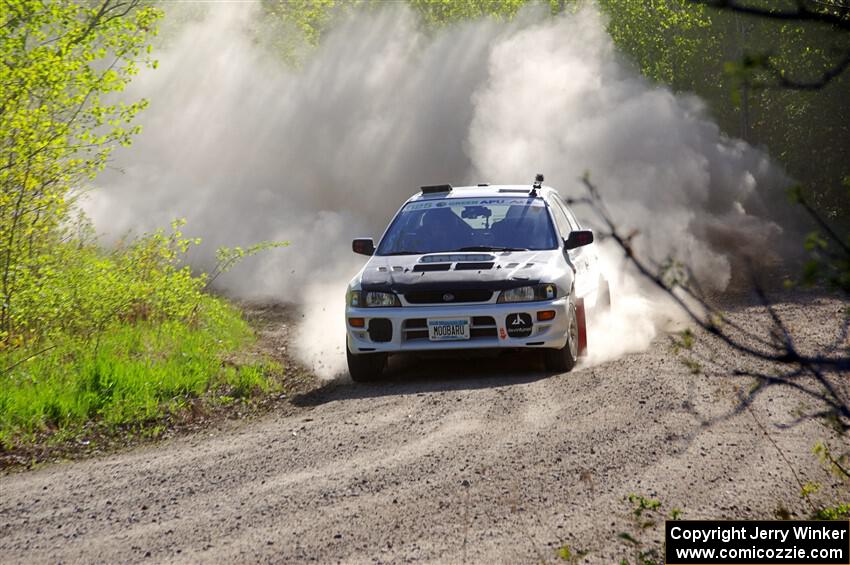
point(534, 203)
point(519, 324)
point(457, 258)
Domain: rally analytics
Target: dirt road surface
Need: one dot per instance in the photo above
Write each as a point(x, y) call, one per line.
point(449, 461)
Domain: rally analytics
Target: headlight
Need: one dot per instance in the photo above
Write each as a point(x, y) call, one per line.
point(529, 293)
point(359, 299)
point(353, 298)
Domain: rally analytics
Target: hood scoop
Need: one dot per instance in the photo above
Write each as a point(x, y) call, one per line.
point(479, 266)
point(428, 267)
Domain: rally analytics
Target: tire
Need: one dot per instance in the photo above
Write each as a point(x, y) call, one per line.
point(563, 360)
point(365, 367)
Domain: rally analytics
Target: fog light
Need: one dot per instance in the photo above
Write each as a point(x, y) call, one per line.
point(380, 330)
point(545, 315)
point(357, 322)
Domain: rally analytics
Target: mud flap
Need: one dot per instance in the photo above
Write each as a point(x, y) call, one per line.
point(581, 318)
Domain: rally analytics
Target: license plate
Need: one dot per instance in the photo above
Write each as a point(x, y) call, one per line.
point(455, 329)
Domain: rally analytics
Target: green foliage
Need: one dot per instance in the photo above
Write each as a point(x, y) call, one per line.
point(642, 504)
point(807, 131)
point(736, 63)
point(120, 337)
point(442, 12)
point(295, 23)
point(309, 17)
point(59, 63)
point(139, 373)
point(570, 555)
point(87, 335)
point(836, 463)
point(645, 514)
point(686, 342)
point(80, 289)
point(665, 37)
point(809, 489)
point(828, 253)
point(293, 27)
point(673, 273)
point(732, 61)
point(839, 465)
point(695, 367)
point(838, 512)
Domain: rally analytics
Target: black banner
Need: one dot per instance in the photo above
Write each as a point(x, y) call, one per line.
point(745, 542)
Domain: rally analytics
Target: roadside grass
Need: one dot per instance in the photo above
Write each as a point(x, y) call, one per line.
point(134, 373)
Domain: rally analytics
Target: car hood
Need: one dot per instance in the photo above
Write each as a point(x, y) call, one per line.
point(492, 270)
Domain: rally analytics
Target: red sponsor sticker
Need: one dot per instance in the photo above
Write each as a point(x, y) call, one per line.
point(502, 333)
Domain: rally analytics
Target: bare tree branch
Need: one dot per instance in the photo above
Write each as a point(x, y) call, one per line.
point(782, 352)
point(828, 76)
point(801, 14)
point(827, 13)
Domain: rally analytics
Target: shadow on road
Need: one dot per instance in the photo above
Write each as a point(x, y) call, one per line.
point(410, 374)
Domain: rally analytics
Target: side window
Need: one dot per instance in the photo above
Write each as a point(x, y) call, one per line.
point(574, 225)
point(561, 219)
point(571, 217)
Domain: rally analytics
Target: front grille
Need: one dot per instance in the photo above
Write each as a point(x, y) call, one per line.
point(448, 296)
point(481, 327)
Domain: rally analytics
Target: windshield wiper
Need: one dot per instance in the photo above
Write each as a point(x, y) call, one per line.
point(488, 248)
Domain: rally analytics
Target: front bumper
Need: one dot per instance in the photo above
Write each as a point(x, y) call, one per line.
point(409, 331)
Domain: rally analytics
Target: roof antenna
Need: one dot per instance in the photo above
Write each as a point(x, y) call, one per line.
point(538, 183)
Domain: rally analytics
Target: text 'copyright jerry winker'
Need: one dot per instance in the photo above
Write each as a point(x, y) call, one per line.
point(744, 542)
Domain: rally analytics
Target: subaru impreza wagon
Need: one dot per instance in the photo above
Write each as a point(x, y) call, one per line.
point(480, 267)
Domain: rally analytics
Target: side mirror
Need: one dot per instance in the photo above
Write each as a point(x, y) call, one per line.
point(578, 238)
point(363, 246)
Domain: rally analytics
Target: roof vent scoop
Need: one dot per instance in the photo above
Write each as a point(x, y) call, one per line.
point(436, 188)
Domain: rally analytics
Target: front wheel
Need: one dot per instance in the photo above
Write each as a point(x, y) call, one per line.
point(365, 367)
point(563, 360)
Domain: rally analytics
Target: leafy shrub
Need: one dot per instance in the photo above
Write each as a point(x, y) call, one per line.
point(79, 289)
point(87, 334)
point(60, 63)
point(138, 372)
point(119, 336)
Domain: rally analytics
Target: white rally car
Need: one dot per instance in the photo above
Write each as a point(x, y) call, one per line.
point(475, 268)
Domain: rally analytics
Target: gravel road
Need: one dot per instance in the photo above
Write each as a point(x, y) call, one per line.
point(479, 460)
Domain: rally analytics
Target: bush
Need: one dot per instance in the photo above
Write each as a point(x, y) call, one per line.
point(138, 373)
point(119, 337)
point(86, 334)
point(78, 289)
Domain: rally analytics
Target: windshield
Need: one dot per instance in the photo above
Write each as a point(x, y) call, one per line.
point(469, 224)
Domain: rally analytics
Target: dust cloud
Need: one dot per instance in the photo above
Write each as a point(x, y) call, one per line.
point(247, 148)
